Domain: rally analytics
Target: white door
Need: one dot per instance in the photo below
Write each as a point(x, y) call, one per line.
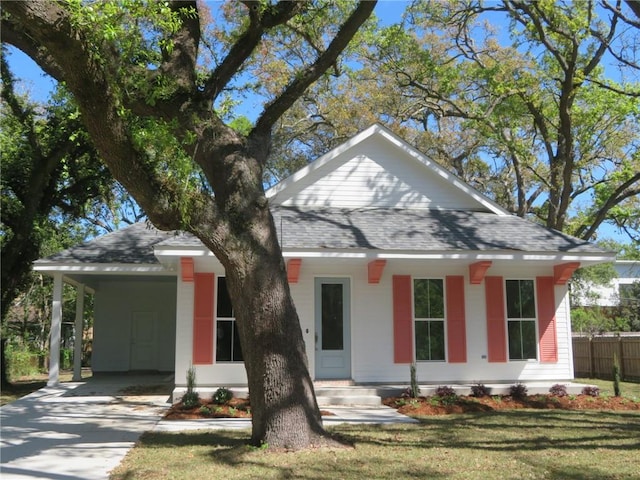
point(143, 341)
point(333, 328)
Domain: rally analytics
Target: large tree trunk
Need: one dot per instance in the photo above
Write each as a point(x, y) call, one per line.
point(284, 408)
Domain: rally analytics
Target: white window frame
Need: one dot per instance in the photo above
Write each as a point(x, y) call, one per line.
point(522, 319)
point(443, 320)
point(231, 319)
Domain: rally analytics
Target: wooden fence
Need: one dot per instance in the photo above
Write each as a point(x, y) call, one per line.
point(593, 357)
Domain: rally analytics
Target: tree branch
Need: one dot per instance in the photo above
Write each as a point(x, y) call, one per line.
point(618, 196)
point(248, 41)
point(275, 109)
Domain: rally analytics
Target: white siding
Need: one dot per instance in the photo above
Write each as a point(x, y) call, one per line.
point(116, 302)
point(375, 174)
point(372, 328)
point(225, 374)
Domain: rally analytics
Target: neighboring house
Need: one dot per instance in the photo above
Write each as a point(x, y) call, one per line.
point(391, 259)
point(618, 290)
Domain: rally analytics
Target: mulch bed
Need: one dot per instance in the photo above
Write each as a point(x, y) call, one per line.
point(241, 408)
point(464, 404)
point(234, 408)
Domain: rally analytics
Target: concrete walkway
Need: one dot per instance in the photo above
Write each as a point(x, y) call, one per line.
point(83, 430)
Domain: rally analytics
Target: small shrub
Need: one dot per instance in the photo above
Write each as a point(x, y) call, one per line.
point(222, 395)
point(191, 398)
point(616, 376)
point(518, 391)
point(233, 411)
point(447, 395)
point(445, 391)
point(415, 390)
point(204, 410)
point(479, 390)
point(559, 390)
point(591, 391)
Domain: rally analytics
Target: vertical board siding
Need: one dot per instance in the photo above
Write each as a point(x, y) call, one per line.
point(402, 319)
point(547, 320)
point(496, 319)
point(203, 318)
point(456, 324)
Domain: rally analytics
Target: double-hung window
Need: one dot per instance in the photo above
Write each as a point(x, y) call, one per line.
point(227, 338)
point(521, 319)
point(428, 308)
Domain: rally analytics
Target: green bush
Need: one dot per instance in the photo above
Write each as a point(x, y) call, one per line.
point(21, 362)
point(222, 396)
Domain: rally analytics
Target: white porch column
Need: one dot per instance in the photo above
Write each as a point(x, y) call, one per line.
point(56, 322)
point(78, 331)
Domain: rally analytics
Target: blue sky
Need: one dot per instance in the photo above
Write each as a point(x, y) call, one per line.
point(38, 85)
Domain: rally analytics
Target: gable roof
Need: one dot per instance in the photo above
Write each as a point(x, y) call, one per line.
point(382, 170)
point(130, 245)
point(326, 230)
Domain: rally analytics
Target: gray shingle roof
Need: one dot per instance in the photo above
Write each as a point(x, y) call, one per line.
point(420, 230)
point(364, 229)
point(133, 244)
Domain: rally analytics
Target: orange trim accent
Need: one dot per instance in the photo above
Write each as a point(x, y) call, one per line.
point(186, 266)
point(203, 319)
point(496, 319)
point(547, 319)
point(562, 273)
point(477, 271)
point(402, 319)
point(375, 269)
point(293, 269)
point(456, 325)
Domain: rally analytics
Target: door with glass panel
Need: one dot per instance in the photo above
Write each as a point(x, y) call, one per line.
point(333, 328)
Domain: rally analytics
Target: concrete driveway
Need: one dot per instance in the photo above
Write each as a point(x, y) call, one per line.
point(79, 430)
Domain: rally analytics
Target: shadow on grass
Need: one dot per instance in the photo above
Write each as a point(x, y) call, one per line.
point(542, 444)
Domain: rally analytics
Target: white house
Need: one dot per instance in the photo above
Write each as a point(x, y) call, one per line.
point(391, 259)
point(610, 295)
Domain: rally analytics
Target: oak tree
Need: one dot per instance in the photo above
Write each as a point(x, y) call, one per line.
point(154, 81)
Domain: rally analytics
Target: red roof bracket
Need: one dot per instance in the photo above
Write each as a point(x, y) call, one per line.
point(478, 270)
point(375, 269)
point(186, 266)
point(293, 269)
point(562, 273)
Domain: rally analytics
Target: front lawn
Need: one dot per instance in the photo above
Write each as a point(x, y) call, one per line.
point(532, 444)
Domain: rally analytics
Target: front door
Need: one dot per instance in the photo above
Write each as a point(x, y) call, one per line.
point(143, 341)
point(333, 329)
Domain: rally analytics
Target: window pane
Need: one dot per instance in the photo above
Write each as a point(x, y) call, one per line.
point(515, 340)
point(436, 329)
point(224, 339)
point(528, 339)
point(332, 311)
point(428, 298)
point(436, 298)
point(522, 339)
point(237, 349)
point(224, 309)
point(421, 298)
point(527, 299)
point(422, 340)
point(513, 299)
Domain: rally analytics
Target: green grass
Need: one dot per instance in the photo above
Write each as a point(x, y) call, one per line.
point(629, 390)
point(549, 444)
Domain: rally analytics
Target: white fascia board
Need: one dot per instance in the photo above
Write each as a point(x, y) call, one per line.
point(182, 252)
point(104, 269)
point(471, 256)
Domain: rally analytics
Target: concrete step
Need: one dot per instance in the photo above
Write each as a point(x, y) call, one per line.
point(345, 395)
point(348, 400)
